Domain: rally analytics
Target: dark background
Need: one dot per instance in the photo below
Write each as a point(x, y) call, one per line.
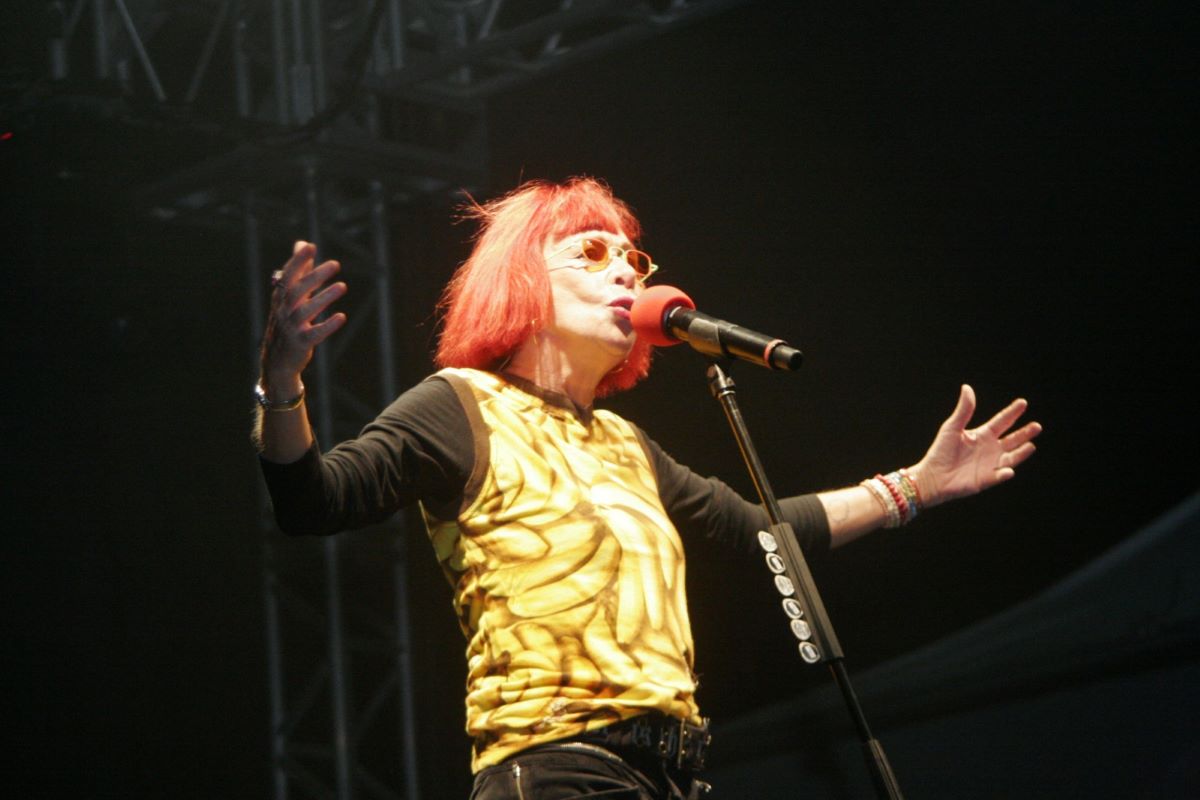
point(918, 196)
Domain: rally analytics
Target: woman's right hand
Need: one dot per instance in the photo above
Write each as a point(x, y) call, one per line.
point(299, 297)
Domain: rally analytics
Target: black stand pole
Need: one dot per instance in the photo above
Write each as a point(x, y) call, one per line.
point(801, 602)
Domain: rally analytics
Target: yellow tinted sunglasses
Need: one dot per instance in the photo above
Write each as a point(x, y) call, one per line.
point(599, 254)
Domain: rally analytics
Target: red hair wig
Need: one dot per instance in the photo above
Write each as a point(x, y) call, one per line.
point(500, 296)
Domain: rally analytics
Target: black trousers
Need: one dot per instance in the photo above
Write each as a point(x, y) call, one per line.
point(579, 771)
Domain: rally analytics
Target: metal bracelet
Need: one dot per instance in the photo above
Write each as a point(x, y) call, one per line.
point(260, 395)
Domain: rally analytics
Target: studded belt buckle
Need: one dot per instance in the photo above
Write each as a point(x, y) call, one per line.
point(682, 743)
point(693, 744)
point(670, 740)
point(676, 741)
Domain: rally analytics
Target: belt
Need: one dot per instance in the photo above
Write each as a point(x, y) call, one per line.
point(676, 741)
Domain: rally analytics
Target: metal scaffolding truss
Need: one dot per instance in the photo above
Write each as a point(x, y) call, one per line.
point(479, 47)
point(454, 50)
point(340, 671)
point(317, 117)
point(394, 89)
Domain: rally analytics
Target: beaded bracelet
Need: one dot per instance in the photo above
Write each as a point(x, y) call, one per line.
point(910, 494)
point(891, 511)
point(904, 485)
point(898, 495)
point(911, 480)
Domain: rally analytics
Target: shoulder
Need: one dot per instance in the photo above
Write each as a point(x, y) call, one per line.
point(436, 414)
point(432, 398)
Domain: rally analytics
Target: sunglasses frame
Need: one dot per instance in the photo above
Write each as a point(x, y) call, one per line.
point(610, 250)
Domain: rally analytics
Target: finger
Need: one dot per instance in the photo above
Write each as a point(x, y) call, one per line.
point(1021, 436)
point(315, 278)
point(1016, 457)
point(301, 252)
point(1006, 416)
point(302, 255)
point(313, 308)
point(961, 415)
point(325, 328)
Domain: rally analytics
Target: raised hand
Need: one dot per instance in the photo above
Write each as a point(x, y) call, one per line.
point(299, 297)
point(963, 462)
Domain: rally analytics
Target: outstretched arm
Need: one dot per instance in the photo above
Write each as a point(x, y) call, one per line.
point(292, 334)
point(959, 463)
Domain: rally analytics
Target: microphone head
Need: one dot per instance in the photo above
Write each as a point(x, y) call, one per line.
point(650, 310)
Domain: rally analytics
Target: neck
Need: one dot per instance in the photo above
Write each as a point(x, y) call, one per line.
point(551, 368)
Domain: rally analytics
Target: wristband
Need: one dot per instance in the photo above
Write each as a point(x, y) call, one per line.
point(911, 480)
point(897, 497)
point(891, 511)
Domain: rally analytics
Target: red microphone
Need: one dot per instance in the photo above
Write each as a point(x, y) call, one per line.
point(650, 309)
point(664, 315)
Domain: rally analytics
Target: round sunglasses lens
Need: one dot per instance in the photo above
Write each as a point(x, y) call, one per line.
point(594, 250)
point(639, 261)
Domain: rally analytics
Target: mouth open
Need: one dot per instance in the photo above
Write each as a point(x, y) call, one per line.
point(622, 306)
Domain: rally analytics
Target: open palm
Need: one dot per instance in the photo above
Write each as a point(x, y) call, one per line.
point(964, 461)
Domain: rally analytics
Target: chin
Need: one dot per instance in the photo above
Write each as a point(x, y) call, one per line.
point(617, 350)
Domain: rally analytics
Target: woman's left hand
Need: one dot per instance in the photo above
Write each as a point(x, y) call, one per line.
point(962, 462)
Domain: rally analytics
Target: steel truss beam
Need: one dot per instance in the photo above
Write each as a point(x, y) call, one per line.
point(482, 47)
point(338, 672)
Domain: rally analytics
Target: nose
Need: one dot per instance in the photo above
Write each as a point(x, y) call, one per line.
point(620, 270)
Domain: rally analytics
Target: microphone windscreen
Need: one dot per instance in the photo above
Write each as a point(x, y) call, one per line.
point(650, 308)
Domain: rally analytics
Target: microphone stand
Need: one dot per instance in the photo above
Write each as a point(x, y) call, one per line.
point(801, 602)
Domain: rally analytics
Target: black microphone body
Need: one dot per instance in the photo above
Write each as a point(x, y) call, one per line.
point(716, 337)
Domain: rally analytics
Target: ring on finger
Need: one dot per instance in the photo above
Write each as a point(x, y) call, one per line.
point(277, 277)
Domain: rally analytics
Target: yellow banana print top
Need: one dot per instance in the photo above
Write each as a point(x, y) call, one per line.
point(568, 576)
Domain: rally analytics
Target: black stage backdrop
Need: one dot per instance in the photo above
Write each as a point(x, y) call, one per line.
point(917, 197)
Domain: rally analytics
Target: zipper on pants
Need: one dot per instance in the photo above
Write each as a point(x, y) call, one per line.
point(516, 770)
